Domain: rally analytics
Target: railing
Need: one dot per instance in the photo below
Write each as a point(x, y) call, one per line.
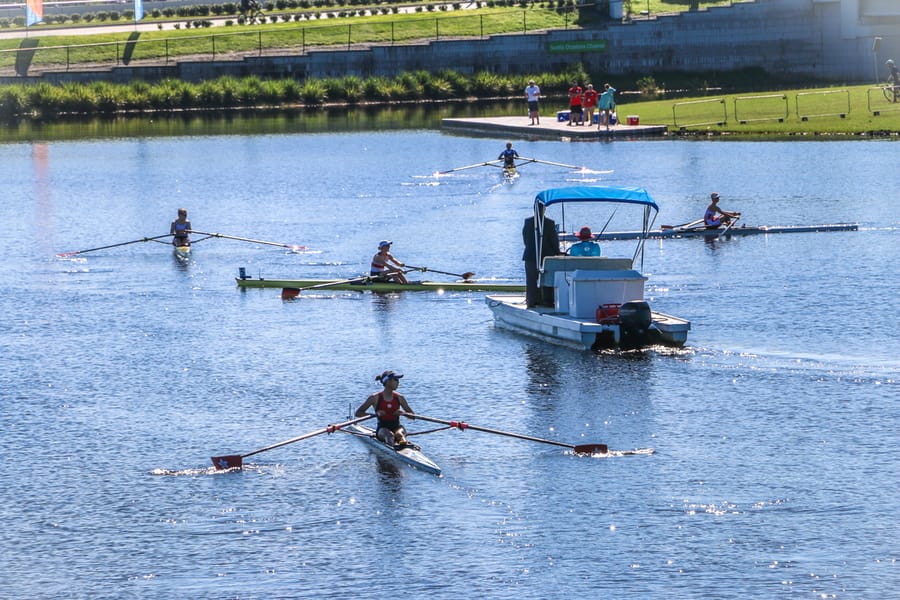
point(836, 108)
point(883, 98)
point(761, 108)
point(695, 109)
point(281, 40)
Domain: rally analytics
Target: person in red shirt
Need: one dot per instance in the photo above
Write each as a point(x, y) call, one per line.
point(590, 102)
point(388, 406)
point(575, 105)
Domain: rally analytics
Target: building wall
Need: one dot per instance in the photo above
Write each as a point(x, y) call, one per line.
point(827, 39)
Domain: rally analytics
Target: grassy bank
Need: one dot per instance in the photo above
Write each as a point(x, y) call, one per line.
point(849, 110)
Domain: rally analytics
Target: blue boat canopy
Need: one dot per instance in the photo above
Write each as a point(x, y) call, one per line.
point(626, 195)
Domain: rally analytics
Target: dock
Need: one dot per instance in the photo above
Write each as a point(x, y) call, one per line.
point(551, 127)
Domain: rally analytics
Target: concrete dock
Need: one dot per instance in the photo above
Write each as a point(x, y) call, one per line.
point(550, 127)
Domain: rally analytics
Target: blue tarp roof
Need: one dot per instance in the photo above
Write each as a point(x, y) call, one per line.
point(627, 195)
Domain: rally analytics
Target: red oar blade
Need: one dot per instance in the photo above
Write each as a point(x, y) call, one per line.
point(591, 449)
point(289, 293)
point(233, 461)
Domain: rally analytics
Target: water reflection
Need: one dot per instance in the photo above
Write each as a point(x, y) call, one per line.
point(390, 476)
point(542, 370)
point(311, 120)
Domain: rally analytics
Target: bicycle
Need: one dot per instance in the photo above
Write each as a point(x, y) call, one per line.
point(891, 92)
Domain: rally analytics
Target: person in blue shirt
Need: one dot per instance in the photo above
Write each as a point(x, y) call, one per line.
point(607, 105)
point(508, 157)
point(586, 247)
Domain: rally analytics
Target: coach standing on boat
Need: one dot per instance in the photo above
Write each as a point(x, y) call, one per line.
point(388, 406)
point(536, 294)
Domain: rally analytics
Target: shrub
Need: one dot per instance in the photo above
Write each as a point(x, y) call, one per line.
point(13, 102)
point(313, 92)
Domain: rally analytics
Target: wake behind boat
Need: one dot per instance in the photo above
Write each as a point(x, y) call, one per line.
point(598, 301)
point(701, 231)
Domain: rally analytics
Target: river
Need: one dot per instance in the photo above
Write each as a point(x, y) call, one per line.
point(123, 370)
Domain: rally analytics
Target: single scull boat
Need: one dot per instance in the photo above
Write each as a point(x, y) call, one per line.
point(410, 454)
point(704, 232)
point(365, 284)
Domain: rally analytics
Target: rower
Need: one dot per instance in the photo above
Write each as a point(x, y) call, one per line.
point(388, 406)
point(385, 267)
point(712, 218)
point(180, 229)
point(508, 157)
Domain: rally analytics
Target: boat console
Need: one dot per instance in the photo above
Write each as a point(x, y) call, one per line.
point(582, 283)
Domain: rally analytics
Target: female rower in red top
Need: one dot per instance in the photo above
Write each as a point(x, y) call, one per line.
point(388, 405)
point(384, 266)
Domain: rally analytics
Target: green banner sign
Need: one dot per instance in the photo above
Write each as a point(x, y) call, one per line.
point(578, 46)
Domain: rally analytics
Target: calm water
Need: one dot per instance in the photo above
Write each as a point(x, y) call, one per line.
point(124, 370)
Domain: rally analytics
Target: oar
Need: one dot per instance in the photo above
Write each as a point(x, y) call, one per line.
point(466, 276)
point(547, 162)
point(292, 292)
point(288, 293)
point(482, 164)
point(242, 239)
point(731, 223)
point(146, 239)
point(462, 426)
point(683, 225)
point(236, 461)
point(607, 221)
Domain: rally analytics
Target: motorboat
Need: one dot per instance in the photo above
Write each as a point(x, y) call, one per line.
point(598, 301)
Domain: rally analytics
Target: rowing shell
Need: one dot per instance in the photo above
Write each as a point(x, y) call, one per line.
point(183, 252)
point(409, 455)
point(383, 286)
point(704, 232)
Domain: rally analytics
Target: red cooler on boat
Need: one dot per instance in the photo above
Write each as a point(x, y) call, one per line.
point(607, 314)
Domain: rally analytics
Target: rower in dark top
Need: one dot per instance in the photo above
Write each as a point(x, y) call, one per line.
point(180, 229)
point(716, 217)
point(388, 406)
point(508, 157)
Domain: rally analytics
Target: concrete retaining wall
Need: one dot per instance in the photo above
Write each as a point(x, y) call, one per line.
point(787, 37)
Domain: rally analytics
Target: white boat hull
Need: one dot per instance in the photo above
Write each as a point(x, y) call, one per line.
point(510, 312)
point(409, 456)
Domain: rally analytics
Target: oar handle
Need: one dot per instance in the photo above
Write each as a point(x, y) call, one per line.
point(466, 275)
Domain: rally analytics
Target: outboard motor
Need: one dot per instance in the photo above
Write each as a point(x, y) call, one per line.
point(634, 324)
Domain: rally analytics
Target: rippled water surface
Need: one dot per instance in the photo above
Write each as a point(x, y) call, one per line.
point(123, 370)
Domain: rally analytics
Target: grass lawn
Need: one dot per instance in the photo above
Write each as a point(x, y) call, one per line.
point(844, 110)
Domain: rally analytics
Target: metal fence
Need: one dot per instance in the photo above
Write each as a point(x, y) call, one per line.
point(260, 41)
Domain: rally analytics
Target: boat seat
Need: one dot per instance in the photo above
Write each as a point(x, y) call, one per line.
point(556, 264)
